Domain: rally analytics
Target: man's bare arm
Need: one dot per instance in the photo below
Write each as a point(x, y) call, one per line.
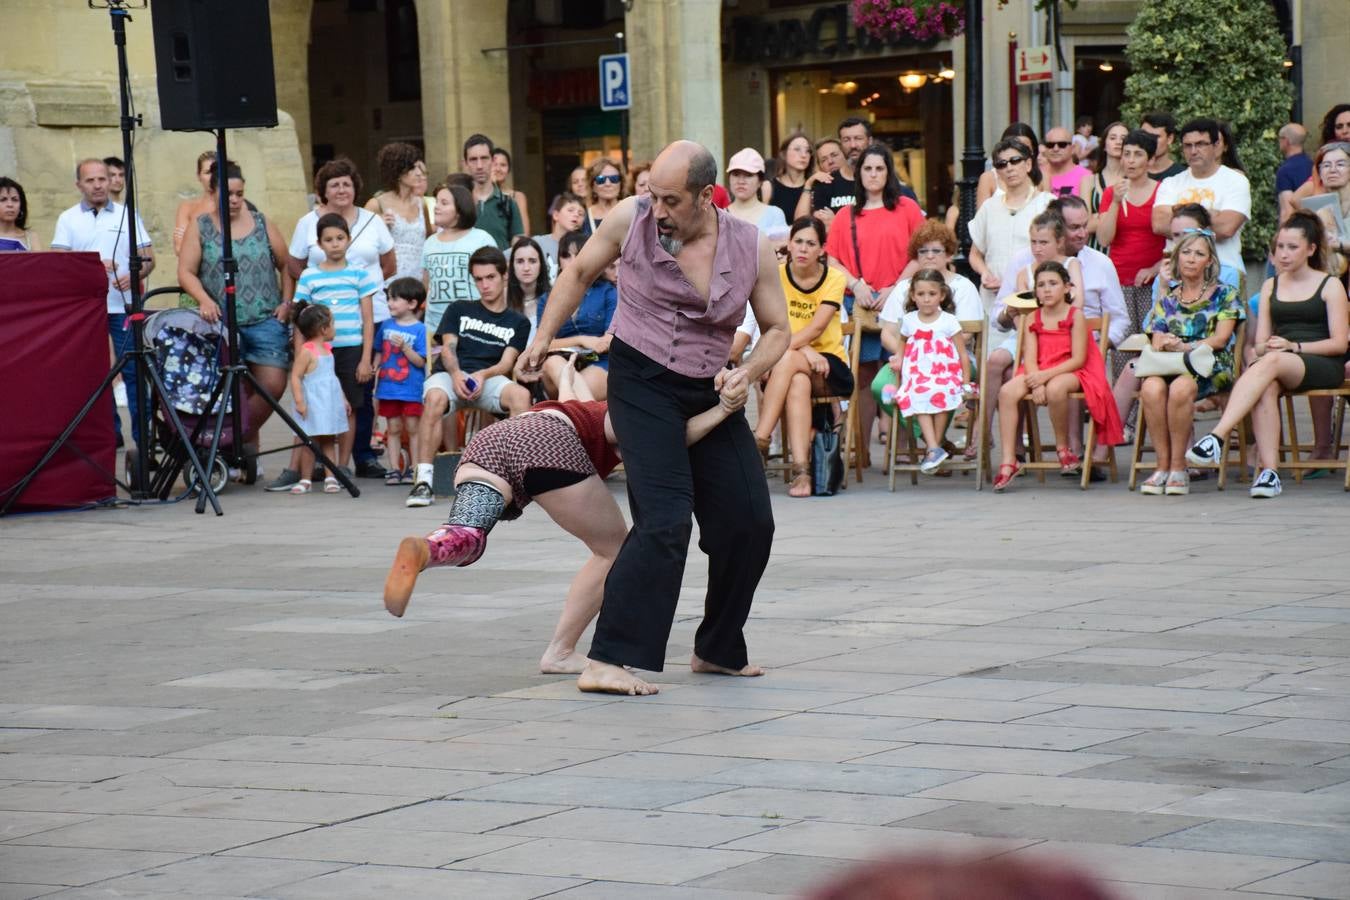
point(770, 308)
point(601, 249)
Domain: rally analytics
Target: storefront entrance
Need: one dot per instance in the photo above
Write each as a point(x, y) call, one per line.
point(908, 100)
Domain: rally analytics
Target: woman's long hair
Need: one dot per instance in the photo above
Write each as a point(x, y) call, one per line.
point(1307, 223)
point(890, 192)
point(515, 291)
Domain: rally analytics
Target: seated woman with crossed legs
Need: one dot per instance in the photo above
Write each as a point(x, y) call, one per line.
point(1300, 346)
point(814, 364)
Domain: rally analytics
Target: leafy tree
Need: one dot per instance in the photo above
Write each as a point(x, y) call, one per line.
point(1220, 59)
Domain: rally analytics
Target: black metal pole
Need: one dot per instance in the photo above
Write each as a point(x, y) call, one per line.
point(972, 158)
point(140, 483)
point(233, 396)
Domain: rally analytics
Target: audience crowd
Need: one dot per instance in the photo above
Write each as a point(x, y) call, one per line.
point(432, 292)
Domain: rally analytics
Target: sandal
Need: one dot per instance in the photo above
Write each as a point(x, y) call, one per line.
point(801, 483)
point(1154, 485)
point(1069, 463)
point(303, 486)
point(1178, 484)
point(1006, 473)
point(331, 485)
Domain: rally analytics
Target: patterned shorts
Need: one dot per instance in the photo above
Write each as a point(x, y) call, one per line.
point(512, 447)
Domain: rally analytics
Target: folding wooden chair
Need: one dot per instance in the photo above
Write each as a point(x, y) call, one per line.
point(977, 336)
point(785, 462)
point(1292, 446)
point(1035, 448)
point(1235, 449)
point(862, 321)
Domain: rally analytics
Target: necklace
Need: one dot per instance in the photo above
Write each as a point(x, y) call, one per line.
point(1031, 191)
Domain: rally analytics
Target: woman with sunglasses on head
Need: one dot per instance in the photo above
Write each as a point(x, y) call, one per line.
point(606, 186)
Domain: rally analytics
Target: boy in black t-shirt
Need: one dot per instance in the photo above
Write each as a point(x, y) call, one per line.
point(479, 341)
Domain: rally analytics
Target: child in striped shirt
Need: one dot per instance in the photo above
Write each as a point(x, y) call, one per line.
point(348, 291)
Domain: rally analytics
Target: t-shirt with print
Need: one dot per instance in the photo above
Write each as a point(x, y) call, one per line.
point(400, 378)
point(341, 291)
point(484, 335)
point(1227, 190)
point(446, 264)
point(803, 301)
point(370, 241)
point(840, 192)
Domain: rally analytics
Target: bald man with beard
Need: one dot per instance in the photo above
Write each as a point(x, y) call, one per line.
point(687, 270)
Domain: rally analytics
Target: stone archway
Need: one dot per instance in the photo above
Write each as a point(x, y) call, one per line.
point(463, 90)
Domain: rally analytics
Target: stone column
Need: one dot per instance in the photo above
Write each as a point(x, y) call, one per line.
point(463, 90)
point(290, 59)
point(676, 48)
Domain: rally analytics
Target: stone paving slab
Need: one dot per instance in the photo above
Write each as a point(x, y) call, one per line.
point(237, 717)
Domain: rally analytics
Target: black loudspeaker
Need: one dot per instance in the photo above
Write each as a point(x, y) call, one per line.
point(214, 64)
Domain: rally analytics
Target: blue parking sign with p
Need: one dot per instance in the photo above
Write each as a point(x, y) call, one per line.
point(614, 85)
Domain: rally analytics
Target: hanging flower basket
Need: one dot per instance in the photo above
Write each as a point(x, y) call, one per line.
point(915, 20)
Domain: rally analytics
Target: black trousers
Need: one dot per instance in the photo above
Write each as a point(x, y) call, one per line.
point(720, 481)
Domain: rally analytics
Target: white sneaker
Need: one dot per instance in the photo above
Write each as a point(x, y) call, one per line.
point(1267, 484)
point(1208, 451)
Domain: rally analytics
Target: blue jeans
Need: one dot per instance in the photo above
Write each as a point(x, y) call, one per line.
point(123, 341)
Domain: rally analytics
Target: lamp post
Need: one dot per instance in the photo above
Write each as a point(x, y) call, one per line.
point(972, 158)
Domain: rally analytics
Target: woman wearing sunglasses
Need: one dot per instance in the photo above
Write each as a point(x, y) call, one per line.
point(1000, 229)
point(606, 180)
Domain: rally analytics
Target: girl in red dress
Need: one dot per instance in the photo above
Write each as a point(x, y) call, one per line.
point(1057, 359)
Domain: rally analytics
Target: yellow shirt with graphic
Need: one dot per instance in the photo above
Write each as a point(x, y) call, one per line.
point(804, 300)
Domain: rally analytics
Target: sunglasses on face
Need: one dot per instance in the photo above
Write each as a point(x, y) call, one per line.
point(1009, 161)
point(1057, 145)
point(931, 251)
point(608, 179)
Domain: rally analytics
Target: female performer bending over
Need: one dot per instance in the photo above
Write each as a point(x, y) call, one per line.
point(558, 453)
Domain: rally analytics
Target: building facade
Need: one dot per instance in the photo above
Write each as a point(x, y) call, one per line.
point(353, 75)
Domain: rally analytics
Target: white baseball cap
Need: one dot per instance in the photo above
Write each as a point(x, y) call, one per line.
point(747, 160)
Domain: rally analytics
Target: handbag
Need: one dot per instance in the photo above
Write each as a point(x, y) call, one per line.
point(1197, 362)
point(827, 463)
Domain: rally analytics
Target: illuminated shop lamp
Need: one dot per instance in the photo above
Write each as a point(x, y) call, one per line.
point(912, 81)
point(823, 91)
point(845, 88)
point(947, 72)
point(1106, 66)
point(1288, 64)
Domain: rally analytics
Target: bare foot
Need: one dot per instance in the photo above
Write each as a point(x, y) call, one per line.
point(603, 678)
point(409, 562)
point(562, 662)
point(702, 665)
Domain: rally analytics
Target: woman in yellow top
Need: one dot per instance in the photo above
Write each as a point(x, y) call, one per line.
point(815, 364)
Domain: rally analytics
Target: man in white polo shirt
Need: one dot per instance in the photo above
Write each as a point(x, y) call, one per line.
point(1225, 192)
point(99, 224)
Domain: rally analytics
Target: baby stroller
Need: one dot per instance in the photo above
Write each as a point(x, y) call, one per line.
point(189, 352)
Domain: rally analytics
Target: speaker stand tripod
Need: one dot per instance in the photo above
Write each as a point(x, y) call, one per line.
point(148, 385)
point(235, 372)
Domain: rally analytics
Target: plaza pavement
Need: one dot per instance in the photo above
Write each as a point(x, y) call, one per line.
point(1155, 688)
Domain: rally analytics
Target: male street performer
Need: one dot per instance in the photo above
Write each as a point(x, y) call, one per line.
point(686, 272)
